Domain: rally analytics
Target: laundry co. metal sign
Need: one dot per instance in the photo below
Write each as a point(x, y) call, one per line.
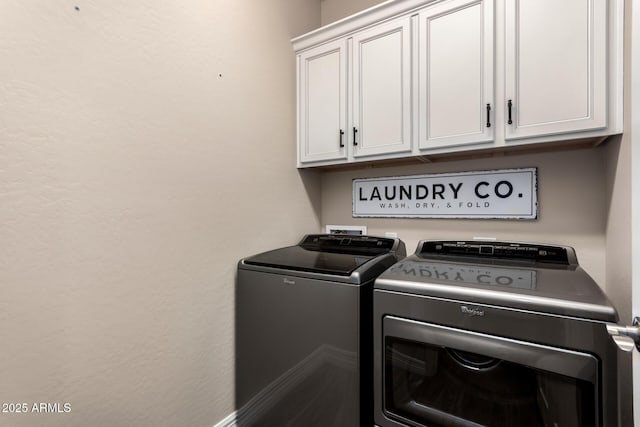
point(506, 194)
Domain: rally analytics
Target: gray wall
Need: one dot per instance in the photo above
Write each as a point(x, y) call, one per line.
point(144, 148)
point(332, 10)
point(571, 196)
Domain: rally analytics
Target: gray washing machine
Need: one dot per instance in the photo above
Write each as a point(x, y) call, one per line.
point(304, 333)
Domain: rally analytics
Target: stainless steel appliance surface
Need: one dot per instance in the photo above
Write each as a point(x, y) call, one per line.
point(304, 332)
point(493, 334)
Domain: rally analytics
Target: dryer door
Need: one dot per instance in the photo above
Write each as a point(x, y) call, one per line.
point(436, 375)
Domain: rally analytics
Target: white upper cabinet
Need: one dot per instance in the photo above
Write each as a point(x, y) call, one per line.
point(456, 75)
point(322, 105)
point(555, 66)
point(381, 89)
point(372, 117)
point(433, 77)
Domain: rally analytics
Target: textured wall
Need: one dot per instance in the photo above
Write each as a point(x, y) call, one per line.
point(571, 197)
point(619, 189)
point(332, 10)
point(144, 148)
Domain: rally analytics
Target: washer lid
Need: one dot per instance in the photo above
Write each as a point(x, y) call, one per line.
point(326, 254)
point(559, 286)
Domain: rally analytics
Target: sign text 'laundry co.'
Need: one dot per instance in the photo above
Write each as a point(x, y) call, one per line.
point(506, 194)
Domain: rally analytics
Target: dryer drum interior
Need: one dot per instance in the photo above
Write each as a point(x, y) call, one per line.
point(439, 385)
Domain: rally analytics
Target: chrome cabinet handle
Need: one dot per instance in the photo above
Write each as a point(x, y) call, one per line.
point(509, 106)
point(626, 337)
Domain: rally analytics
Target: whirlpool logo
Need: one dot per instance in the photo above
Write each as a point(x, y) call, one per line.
point(472, 312)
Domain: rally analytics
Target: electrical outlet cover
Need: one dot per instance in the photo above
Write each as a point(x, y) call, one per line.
point(346, 229)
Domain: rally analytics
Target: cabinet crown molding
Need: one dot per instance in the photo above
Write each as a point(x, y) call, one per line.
point(373, 15)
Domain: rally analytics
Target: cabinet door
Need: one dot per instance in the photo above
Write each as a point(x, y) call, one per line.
point(456, 73)
point(381, 89)
point(322, 103)
point(556, 66)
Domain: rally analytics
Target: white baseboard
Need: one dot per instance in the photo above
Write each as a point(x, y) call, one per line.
point(228, 421)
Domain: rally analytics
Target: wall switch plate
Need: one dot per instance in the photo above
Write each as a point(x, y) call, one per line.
point(346, 229)
point(484, 239)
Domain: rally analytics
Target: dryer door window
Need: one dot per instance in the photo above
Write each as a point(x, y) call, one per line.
point(452, 381)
